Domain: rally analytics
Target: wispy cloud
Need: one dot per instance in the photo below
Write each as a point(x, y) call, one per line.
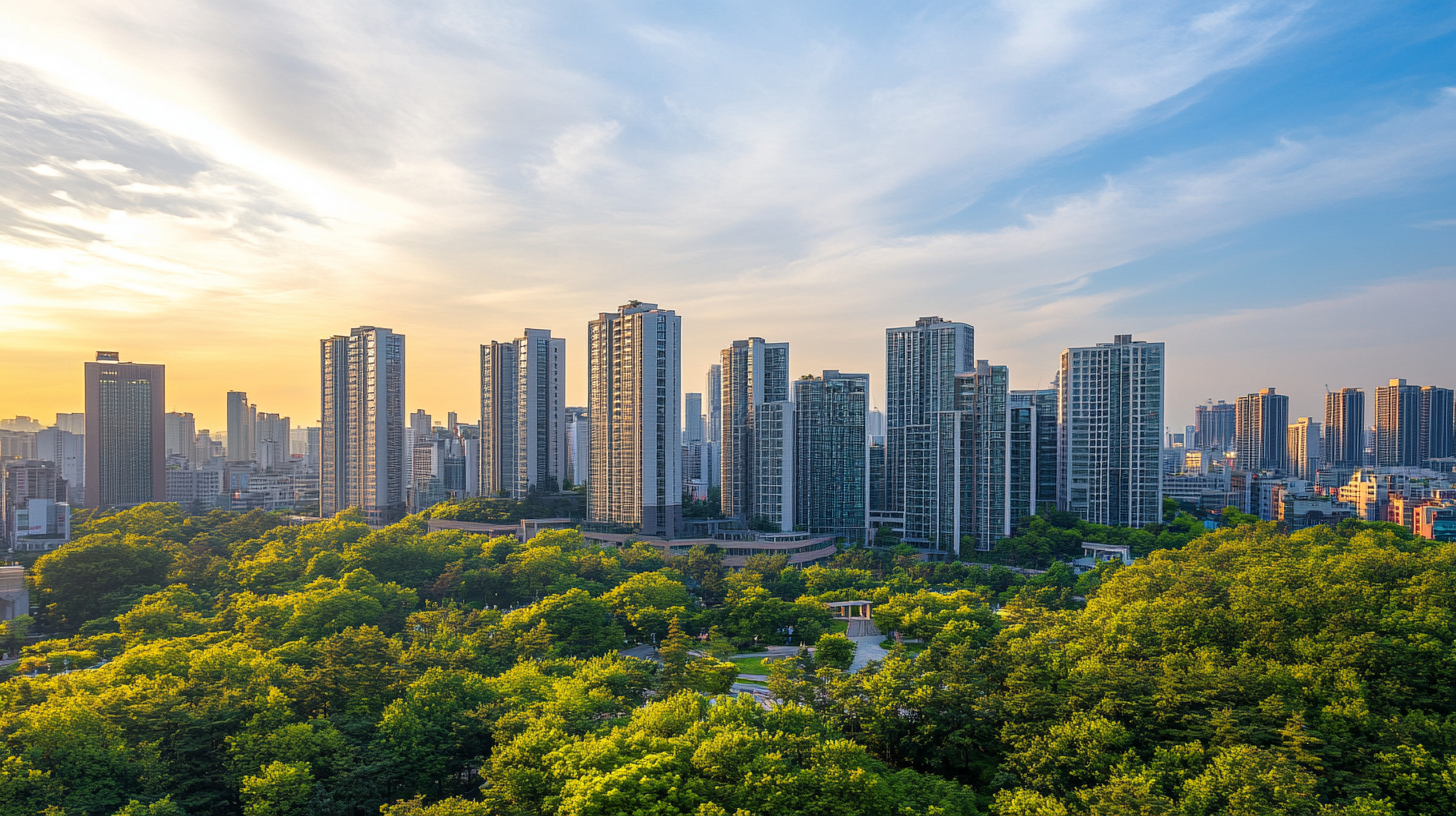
point(303, 167)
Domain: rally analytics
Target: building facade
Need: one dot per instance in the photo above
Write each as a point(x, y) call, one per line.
point(772, 480)
point(1031, 431)
point(831, 463)
point(754, 372)
point(1344, 430)
point(125, 432)
point(1304, 446)
point(694, 430)
point(1398, 425)
point(578, 444)
point(634, 397)
point(921, 364)
point(181, 434)
point(1213, 426)
point(68, 451)
point(272, 443)
point(35, 508)
point(362, 458)
point(1261, 437)
point(241, 419)
point(1110, 427)
point(523, 433)
point(1438, 433)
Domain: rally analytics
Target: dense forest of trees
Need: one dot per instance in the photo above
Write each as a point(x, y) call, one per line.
point(224, 663)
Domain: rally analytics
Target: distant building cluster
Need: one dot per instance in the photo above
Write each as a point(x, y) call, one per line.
point(1302, 471)
point(759, 457)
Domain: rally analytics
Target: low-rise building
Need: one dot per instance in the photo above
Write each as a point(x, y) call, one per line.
point(1435, 522)
point(1298, 512)
point(14, 595)
point(36, 509)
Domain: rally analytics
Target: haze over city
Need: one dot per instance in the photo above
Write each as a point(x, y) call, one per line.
point(1264, 187)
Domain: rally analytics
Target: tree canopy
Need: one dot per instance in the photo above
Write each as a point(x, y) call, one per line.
point(231, 664)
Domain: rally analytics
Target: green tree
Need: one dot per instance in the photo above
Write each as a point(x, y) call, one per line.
point(281, 789)
point(88, 578)
point(834, 650)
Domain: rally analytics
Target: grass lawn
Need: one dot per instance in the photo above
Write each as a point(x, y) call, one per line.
point(750, 665)
point(838, 627)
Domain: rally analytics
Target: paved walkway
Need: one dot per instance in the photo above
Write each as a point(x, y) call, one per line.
point(866, 649)
point(646, 651)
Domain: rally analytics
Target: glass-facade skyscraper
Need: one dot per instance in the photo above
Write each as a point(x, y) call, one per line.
point(362, 458)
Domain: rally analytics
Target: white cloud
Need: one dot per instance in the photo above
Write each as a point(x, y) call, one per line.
point(101, 166)
point(779, 167)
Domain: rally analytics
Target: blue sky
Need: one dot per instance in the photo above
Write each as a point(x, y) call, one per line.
point(1266, 187)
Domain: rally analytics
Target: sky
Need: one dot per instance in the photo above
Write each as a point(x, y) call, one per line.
point(1269, 188)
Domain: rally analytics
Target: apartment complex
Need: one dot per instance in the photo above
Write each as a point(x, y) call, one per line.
point(362, 457)
point(634, 399)
point(1110, 426)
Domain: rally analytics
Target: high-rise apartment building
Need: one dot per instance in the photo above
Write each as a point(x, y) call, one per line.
point(241, 419)
point(875, 424)
point(921, 364)
point(754, 373)
point(694, 430)
point(1398, 425)
point(1344, 430)
point(304, 443)
point(634, 396)
point(523, 432)
point(1214, 425)
point(181, 434)
point(1031, 434)
point(541, 412)
point(72, 423)
point(578, 444)
point(972, 462)
point(713, 392)
point(1304, 446)
point(1438, 434)
point(830, 459)
point(68, 451)
point(712, 457)
point(1110, 425)
point(125, 432)
point(499, 384)
point(363, 462)
point(1261, 436)
point(271, 441)
point(771, 501)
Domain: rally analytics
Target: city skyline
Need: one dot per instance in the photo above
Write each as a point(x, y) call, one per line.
point(1176, 171)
